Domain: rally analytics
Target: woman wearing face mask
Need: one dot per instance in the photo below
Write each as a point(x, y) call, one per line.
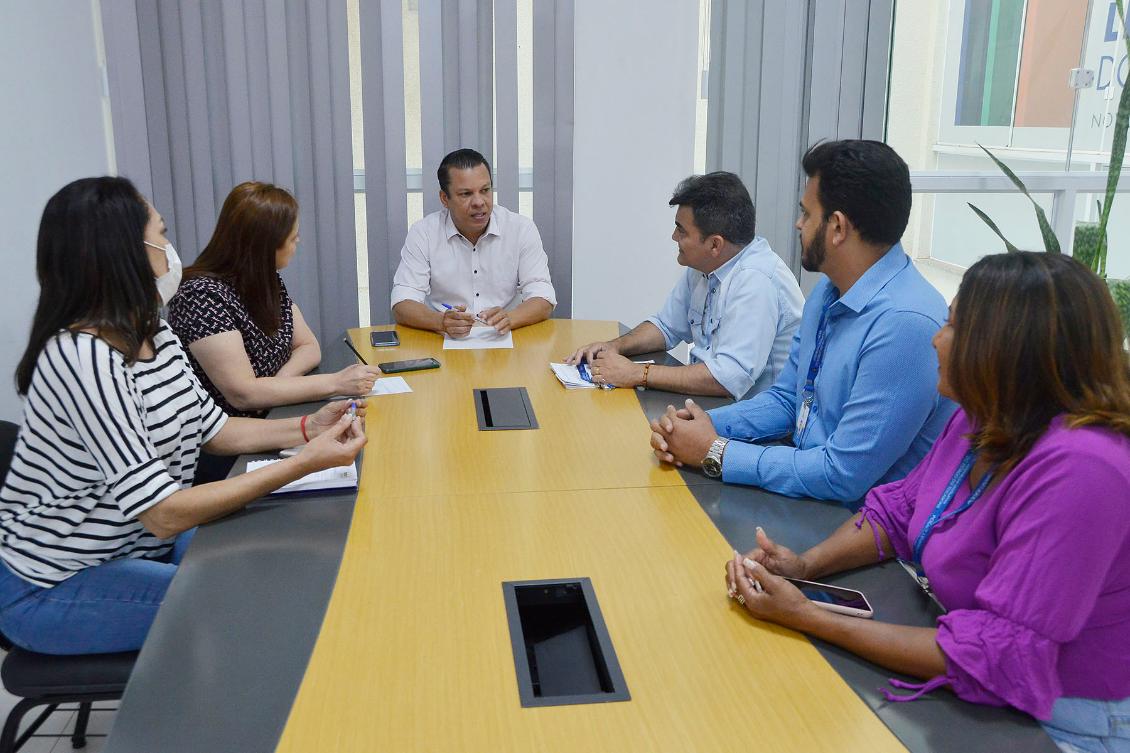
point(96, 507)
point(1019, 516)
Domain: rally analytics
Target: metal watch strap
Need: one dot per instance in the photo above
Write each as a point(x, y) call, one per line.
point(714, 454)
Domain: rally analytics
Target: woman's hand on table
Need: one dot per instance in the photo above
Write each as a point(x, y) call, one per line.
point(776, 558)
point(357, 379)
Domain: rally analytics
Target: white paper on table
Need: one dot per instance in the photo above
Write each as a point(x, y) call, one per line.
point(479, 338)
point(393, 385)
point(570, 376)
point(344, 477)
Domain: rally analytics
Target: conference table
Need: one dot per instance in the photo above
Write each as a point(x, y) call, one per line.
point(376, 619)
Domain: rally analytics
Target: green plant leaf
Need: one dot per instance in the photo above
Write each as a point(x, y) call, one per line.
point(1117, 153)
point(1051, 242)
point(993, 226)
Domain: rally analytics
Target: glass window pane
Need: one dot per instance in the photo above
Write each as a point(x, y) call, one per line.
point(525, 92)
point(943, 227)
point(991, 72)
point(1106, 56)
point(990, 51)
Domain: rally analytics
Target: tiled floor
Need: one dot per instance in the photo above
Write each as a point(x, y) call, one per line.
point(62, 721)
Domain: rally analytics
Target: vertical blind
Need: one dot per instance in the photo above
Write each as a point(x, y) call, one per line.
point(469, 97)
point(206, 95)
point(783, 75)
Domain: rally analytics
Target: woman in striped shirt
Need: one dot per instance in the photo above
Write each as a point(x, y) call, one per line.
point(98, 497)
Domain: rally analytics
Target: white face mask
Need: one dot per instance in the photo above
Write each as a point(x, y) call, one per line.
point(168, 283)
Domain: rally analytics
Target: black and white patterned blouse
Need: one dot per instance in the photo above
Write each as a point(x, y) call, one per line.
point(205, 306)
point(101, 442)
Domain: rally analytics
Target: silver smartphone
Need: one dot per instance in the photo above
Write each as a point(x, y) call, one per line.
point(835, 598)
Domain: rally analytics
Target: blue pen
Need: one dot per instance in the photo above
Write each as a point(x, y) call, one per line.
point(449, 307)
point(352, 411)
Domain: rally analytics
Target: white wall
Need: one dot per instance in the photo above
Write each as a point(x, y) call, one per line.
point(633, 140)
point(53, 131)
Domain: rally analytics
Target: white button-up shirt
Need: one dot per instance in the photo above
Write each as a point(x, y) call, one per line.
point(507, 265)
point(740, 319)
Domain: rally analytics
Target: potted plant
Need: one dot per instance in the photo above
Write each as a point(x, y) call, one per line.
point(1090, 242)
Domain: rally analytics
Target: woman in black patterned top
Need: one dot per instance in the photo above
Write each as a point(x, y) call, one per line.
point(248, 342)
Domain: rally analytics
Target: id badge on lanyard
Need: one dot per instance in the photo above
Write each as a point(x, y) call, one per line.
point(802, 414)
point(808, 393)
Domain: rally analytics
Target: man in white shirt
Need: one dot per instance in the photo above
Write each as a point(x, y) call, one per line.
point(737, 303)
point(471, 261)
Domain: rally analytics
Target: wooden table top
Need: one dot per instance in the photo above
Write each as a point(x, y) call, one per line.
point(414, 652)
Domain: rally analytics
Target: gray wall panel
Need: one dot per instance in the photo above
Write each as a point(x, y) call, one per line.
point(783, 75)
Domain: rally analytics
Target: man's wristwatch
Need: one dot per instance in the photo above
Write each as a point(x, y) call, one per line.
point(712, 463)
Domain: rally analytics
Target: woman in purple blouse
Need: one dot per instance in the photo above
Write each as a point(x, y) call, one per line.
point(1019, 517)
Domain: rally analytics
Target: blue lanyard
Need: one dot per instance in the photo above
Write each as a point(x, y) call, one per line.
point(808, 392)
point(817, 353)
point(939, 514)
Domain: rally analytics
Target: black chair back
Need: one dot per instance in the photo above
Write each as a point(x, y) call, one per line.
point(8, 433)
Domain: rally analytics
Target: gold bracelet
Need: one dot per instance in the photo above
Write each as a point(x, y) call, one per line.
point(646, 366)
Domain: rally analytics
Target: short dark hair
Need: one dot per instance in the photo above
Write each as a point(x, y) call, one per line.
point(93, 270)
point(867, 181)
point(720, 205)
point(460, 159)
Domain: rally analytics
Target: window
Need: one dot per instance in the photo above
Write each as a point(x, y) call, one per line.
point(995, 73)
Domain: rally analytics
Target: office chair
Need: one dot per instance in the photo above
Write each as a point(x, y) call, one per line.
point(48, 680)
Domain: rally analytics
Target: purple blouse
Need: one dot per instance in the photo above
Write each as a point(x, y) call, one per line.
point(1035, 575)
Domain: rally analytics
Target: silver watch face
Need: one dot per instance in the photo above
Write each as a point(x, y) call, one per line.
point(711, 467)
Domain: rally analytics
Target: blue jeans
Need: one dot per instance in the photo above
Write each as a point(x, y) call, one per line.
point(101, 609)
point(1084, 725)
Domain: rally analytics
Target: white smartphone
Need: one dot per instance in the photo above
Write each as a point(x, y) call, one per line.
point(835, 598)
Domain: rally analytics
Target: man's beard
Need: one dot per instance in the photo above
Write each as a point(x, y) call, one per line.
point(812, 256)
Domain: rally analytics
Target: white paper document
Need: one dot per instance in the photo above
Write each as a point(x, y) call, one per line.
point(570, 376)
point(574, 379)
point(390, 386)
point(344, 477)
point(478, 339)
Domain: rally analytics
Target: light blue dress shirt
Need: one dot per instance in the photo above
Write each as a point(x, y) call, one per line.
point(876, 409)
point(740, 319)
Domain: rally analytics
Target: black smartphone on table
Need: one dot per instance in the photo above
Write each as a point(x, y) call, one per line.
point(412, 364)
point(384, 338)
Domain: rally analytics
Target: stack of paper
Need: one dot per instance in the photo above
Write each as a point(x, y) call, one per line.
point(479, 338)
point(570, 376)
point(577, 377)
point(344, 477)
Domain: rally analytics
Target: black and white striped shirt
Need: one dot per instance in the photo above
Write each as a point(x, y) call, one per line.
point(101, 442)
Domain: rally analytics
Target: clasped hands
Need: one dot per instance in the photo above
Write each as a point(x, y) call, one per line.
point(683, 437)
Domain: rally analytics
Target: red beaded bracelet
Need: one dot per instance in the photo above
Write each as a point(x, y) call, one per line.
point(302, 425)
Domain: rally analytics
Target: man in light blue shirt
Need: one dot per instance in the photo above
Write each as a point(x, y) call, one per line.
point(858, 396)
point(737, 303)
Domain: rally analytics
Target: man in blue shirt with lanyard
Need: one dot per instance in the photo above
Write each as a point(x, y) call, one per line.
point(858, 396)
